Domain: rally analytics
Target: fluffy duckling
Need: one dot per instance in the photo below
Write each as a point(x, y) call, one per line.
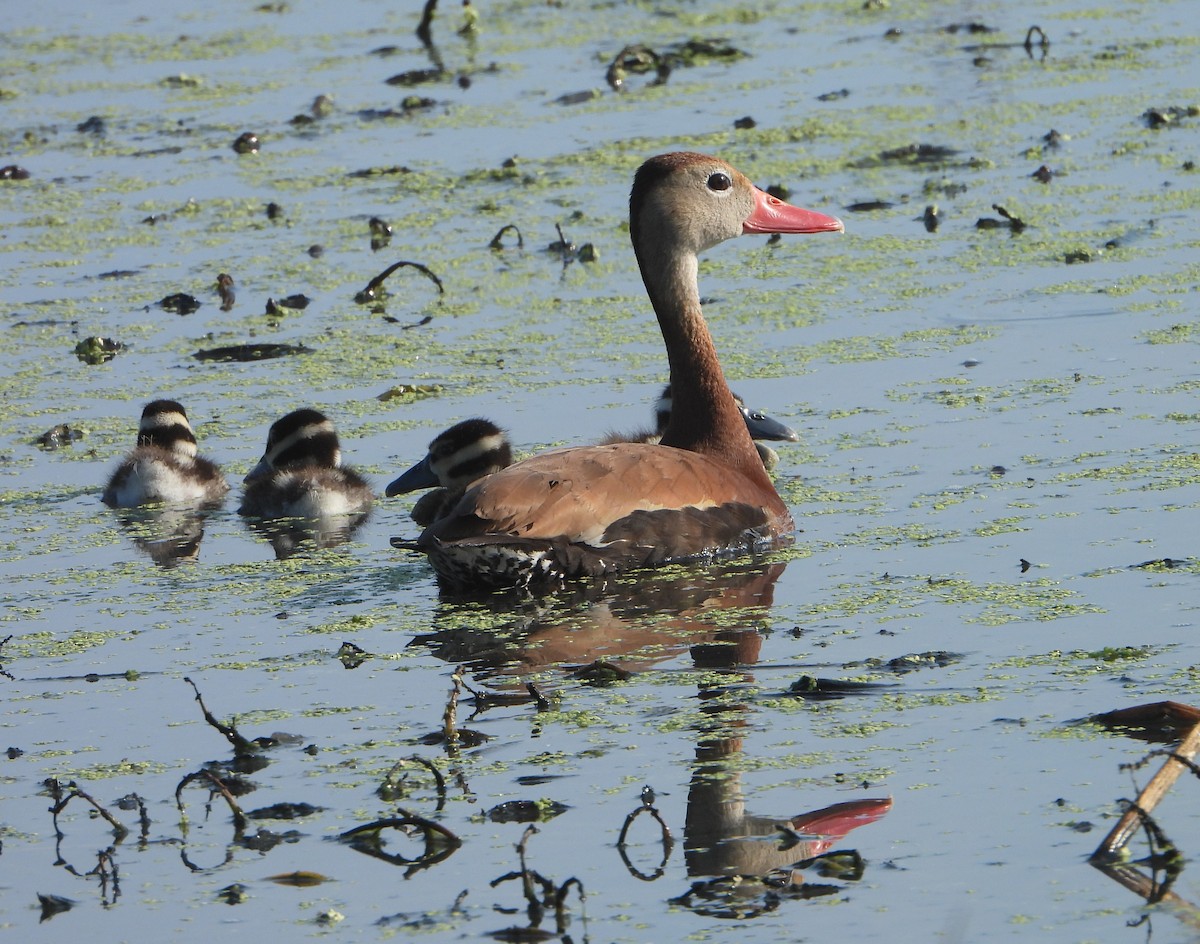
point(164, 466)
point(301, 473)
point(457, 457)
point(760, 425)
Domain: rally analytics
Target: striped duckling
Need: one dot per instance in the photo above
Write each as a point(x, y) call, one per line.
point(301, 473)
point(457, 457)
point(164, 466)
point(760, 425)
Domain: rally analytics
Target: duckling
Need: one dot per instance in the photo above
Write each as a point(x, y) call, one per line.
point(164, 466)
point(760, 425)
point(457, 457)
point(301, 473)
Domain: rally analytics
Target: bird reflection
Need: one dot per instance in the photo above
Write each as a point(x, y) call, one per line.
point(742, 862)
point(289, 536)
point(167, 534)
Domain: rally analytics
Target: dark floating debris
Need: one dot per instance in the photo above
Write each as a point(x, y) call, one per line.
point(745, 123)
point(577, 98)
point(53, 905)
point(498, 240)
point(285, 811)
point(321, 107)
point(1077, 256)
point(93, 125)
point(932, 218)
point(274, 211)
point(1035, 38)
point(1042, 40)
point(380, 171)
point(13, 172)
point(1009, 221)
point(416, 77)
point(869, 206)
point(973, 28)
point(1162, 117)
point(601, 674)
point(58, 436)
point(911, 662)
point(225, 290)
point(97, 350)
point(1025, 565)
point(439, 842)
point(638, 59)
point(526, 811)
point(299, 879)
point(834, 95)
point(381, 233)
point(818, 689)
point(246, 143)
point(234, 894)
point(914, 154)
point(291, 302)
point(1054, 139)
point(251, 352)
point(374, 288)
point(1161, 564)
point(179, 304)
point(1043, 175)
point(409, 392)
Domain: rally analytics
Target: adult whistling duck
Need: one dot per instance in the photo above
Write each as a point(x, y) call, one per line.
point(164, 465)
point(301, 474)
point(594, 510)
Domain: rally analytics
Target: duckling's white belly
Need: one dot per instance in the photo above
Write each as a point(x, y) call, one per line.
point(144, 479)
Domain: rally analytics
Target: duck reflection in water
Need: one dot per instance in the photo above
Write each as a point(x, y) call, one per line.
point(742, 862)
point(169, 535)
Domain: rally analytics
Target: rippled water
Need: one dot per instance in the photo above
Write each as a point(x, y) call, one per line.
point(968, 401)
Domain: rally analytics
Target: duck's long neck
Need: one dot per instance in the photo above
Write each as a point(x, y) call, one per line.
point(704, 417)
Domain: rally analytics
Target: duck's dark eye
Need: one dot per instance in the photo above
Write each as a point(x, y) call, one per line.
point(719, 181)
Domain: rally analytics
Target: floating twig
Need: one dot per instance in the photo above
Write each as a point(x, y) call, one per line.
point(390, 788)
point(440, 842)
point(1043, 41)
point(636, 58)
point(1177, 762)
point(370, 292)
point(63, 796)
point(498, 240)
point(218, 785)
point(241, 746)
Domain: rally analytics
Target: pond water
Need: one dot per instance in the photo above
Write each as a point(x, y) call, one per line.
point(969, 399)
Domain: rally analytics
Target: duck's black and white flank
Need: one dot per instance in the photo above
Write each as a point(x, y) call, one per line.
point(301, 473)
point(164, 466)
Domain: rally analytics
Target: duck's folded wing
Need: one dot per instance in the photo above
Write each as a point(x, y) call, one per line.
point(675, 502)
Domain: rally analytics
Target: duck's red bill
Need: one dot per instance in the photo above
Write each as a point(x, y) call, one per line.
point(772, 215)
